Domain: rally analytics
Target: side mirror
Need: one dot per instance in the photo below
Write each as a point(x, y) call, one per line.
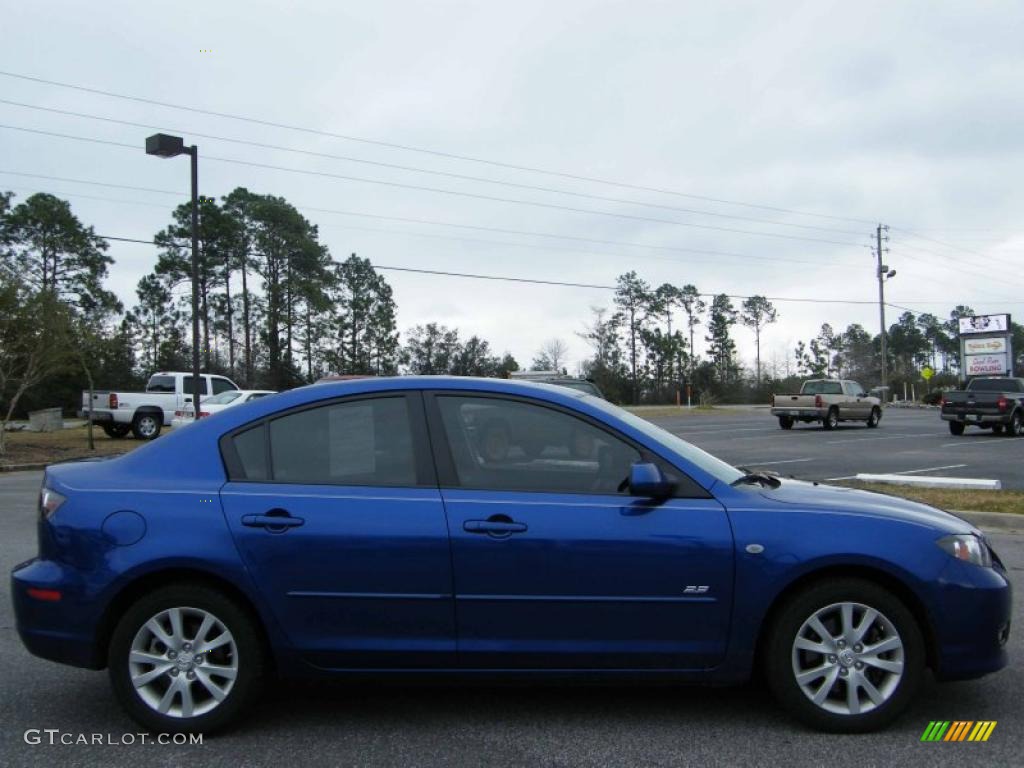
point(646, 479)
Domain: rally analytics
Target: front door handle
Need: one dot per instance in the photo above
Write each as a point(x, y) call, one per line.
point(276, 520)
point(498, 526)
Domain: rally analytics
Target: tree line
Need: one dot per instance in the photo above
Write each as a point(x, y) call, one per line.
point(276, 310)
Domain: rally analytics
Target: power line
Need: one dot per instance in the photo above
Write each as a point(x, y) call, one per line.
point(504, 243)
point(455, 193)
point(431, 222)
point(422, 150)
point(446, 174)
point(537, 281)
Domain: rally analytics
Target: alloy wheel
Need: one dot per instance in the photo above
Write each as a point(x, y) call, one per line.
point(848, 658)
point(183, 662)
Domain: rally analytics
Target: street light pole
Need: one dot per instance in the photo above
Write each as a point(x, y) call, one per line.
point(883, 272)
point(196, 382)
point(162, 145)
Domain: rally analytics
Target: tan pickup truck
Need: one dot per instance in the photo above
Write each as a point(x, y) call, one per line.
point(828, 401)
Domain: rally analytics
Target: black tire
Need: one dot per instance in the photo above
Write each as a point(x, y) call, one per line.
point(874, 418)
point(251, 658)
point(1016, 426)
point(147, 425)
point(956, 427)
point(780, 658)
point(116, 431)
point(831, 420)
point(786, 422)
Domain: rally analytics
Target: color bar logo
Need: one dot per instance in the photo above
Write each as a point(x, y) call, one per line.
point(958, 730)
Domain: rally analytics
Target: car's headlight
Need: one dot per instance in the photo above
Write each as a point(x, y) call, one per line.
point(967, 547)
point(49, 502)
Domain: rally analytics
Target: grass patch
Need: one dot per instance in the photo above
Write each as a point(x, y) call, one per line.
point(1010, 502)
point(26, 447)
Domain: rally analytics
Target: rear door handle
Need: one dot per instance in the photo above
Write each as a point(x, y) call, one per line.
point(494, 527)
point(278, 522)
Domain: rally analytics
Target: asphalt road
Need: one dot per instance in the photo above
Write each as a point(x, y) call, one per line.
point(464, 725)
point(908, 441)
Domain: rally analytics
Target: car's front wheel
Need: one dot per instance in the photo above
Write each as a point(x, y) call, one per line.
point(956, 427)
point(845, 656)
point(186, 659)
point(875, 417)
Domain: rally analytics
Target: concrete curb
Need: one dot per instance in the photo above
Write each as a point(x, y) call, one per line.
point(1003, 522)
point(24, 467)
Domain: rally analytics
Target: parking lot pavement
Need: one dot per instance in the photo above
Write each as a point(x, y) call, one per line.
point(907, 442)
point(463, 725)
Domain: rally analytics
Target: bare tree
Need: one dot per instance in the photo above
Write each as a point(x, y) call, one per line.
point(552, 355)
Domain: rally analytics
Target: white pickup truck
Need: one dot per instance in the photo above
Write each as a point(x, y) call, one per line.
point(144, 414)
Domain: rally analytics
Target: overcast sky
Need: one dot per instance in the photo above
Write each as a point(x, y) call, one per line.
point(908, 113)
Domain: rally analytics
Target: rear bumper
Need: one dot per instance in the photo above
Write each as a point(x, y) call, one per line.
point(982, 419)
point(98, 417)
point(63, 630)
point(799, 413)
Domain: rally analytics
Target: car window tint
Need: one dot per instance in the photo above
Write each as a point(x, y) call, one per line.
point(515, 446)
point(186, 386)
point(252, 453)
point(822, 388)
point(160, 384)
point(361, 442)
point(222, 385)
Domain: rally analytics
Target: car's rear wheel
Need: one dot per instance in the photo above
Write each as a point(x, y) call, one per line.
point(845, 655)
point(146, 426)
point(186, 659)
point(874, 418)
point(116, 430)
point(786, 422)
point(1016, 426)
point(956, 427)
point(831, 420)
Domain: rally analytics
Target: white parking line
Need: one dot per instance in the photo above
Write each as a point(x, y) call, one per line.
point(974, 443)
point(905, 472)
point(683, 431)
point(863, 439)
point(771, 463)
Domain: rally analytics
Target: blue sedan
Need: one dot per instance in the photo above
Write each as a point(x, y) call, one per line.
point(452, 526)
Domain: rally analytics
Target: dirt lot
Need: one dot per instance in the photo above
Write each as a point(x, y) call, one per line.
point(987, 501)
point(33, 447)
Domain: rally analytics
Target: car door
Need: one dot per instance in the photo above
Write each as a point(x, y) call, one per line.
point(337, 514)
point(860, 400)
point(555, 566)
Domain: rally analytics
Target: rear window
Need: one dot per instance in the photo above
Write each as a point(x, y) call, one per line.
point(160, 384)
point(821, 388)
point(994, 385)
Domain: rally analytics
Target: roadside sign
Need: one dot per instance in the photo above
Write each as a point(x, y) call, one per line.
point(927, 373)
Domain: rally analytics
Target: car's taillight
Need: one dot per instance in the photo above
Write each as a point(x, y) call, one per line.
point(942, 402)
point(818, 402)
point(1002, 403)
point(49, 502)
point(203, 414)
point(112, 400)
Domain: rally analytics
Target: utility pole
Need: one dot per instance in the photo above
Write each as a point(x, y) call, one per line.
point(883, 273)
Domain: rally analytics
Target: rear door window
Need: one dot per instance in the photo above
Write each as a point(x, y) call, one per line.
point(359, 442)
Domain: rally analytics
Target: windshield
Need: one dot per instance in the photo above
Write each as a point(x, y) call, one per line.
point(223, 398)
point(821, 388)
point(994, 385)
point(714, 466)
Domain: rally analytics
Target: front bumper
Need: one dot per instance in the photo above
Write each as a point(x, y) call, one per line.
point(62, 630)
point(973, 625)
